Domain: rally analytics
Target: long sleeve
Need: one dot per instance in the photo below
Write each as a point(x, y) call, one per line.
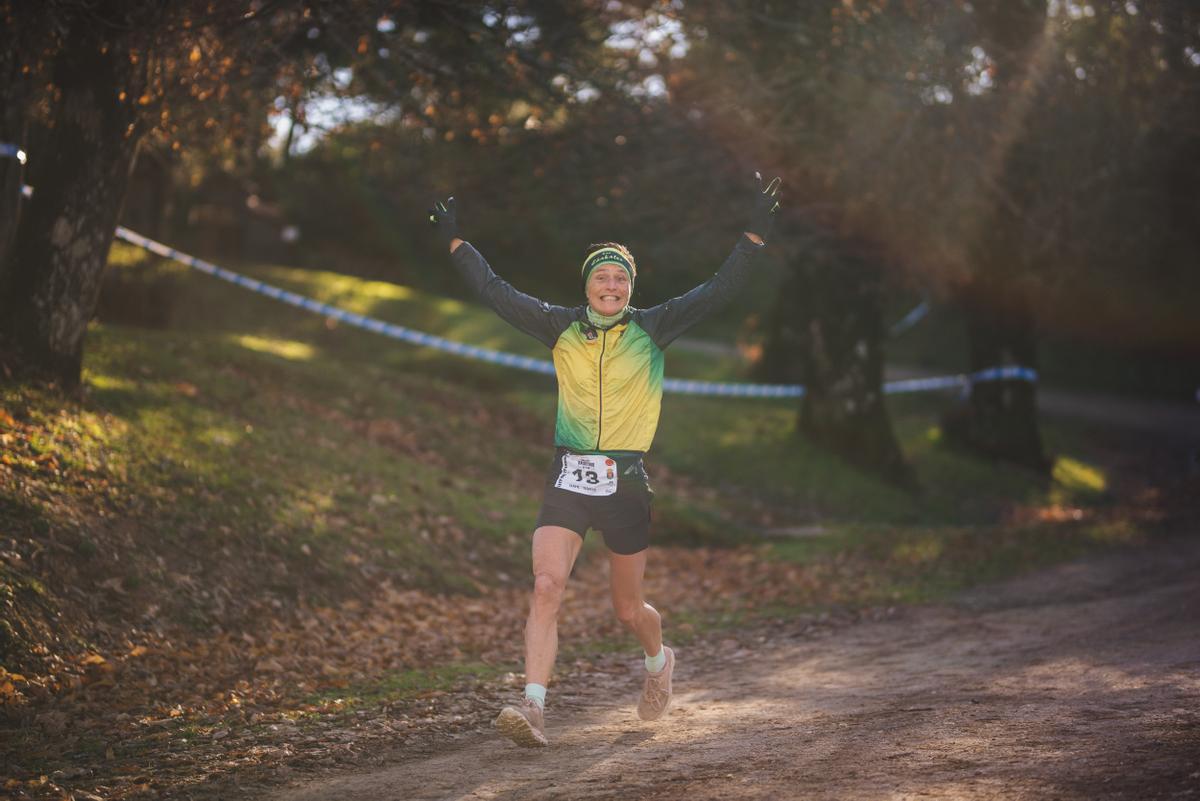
point(667, 321)
point(542, 321)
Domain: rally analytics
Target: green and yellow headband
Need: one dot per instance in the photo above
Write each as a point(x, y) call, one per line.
point(607, 256)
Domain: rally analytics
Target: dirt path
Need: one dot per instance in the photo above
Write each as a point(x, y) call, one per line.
point(1082, 682)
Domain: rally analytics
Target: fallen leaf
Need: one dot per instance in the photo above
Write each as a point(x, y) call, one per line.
point(113, 584)
point(268, 665)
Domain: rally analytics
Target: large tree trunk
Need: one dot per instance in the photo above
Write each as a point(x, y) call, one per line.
point(998, 418)
point(79, 168)
point(828, 333)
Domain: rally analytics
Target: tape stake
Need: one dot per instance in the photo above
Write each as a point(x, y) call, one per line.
point(10, 151)
point(912, 318)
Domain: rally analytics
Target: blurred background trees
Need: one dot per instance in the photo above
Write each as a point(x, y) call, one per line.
point(1031, 165)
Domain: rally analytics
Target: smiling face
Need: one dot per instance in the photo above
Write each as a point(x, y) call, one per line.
point(608, 289)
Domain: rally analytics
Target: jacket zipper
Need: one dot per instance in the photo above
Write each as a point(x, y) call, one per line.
point(600, 376)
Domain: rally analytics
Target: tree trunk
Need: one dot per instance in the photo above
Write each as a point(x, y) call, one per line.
point(828, 334)
point(999, 418)
point(79, 168)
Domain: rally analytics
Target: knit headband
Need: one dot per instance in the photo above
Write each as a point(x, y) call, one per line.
point(606, 256)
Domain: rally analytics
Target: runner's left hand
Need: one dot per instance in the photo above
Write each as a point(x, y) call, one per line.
point(766, 204)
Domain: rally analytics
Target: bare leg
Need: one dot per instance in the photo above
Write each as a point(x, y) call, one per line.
point(554, 553)
point(625, 573)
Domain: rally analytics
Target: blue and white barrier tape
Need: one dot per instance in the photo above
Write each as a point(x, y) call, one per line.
point(403, 334)
point(350, 318)
point(10, 151)
point(1008, 373)
point(909, 320)
point(682, 386)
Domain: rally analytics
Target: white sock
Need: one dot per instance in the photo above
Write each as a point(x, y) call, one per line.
point(656, 663)
point(537, 692)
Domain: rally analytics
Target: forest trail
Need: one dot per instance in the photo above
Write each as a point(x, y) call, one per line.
point(1078, 682)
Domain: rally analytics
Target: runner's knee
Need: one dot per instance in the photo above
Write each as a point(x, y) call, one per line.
point(547, 590)
point(627, 612)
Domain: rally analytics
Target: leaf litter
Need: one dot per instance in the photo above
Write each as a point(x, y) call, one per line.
point(118, 697)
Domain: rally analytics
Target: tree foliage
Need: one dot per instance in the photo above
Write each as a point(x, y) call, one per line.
point(91, 82)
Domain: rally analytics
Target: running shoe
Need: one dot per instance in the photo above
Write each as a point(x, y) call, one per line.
point(656, 694)
point(523, 723)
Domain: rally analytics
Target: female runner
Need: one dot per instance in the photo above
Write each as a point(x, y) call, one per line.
point(609, 360)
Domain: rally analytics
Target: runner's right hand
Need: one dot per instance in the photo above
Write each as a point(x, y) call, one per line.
point(444, 218)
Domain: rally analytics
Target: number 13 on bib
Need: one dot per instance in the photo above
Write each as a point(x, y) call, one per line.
point(588, 474)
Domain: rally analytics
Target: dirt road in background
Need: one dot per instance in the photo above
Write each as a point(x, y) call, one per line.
point(1081, 682)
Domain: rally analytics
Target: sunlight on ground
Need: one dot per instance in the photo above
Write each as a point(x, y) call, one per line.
point(109, 383)
point(123, 255)
point(921, 551)
point(1077, 676)
point(316, 501)
point(222, 436)
point(349, 285)
point(1075, 475)
point(759, 429)
point(1117, 531)
point(449, 306)
point(284, 348)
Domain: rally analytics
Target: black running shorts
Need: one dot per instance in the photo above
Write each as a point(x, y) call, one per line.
point(623, 517)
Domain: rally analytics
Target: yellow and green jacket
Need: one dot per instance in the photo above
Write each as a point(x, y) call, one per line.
point(609, 380)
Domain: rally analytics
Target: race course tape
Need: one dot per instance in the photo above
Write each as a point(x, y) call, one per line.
point(909, 320)
point(409, 335)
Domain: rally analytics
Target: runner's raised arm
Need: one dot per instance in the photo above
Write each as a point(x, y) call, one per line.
point(668, 321)
point(542, 321)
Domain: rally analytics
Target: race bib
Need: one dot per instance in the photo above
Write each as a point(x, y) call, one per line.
point(588, 475)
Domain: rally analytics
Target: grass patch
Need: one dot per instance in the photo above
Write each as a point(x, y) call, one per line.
point(917, 564)
point(401, 686)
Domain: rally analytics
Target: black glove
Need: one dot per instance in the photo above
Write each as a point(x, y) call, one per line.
point(444, 218)
point(766, 203)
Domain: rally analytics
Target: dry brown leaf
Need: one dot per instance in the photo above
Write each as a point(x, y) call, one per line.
point(113, 584)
